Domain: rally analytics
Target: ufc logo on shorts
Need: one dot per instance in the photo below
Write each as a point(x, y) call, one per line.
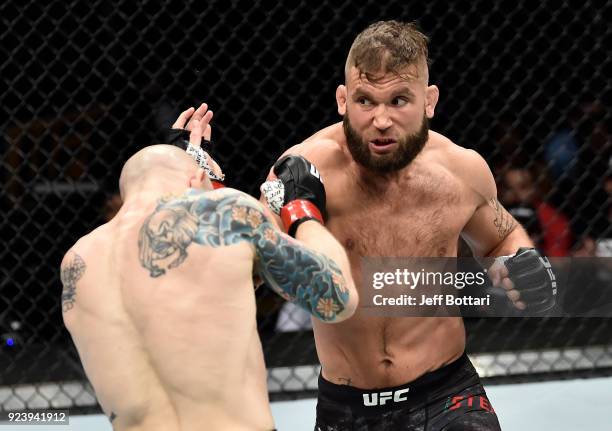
point(314, 172)
point(381, 398)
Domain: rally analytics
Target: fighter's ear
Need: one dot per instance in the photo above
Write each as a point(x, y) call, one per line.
point(200, 180)
point(341, 96)
point(432, 93)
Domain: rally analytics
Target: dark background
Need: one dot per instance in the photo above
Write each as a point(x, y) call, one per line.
point(86, 84)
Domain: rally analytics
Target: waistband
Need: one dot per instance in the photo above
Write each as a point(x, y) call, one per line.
point(371, 400)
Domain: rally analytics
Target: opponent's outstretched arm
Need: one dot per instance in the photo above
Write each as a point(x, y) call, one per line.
point(315, 278)
point(296, 193)
point(313, 272)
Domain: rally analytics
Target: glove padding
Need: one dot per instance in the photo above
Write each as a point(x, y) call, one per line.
point(533, 278)
point(180, 138)
point(298, 194)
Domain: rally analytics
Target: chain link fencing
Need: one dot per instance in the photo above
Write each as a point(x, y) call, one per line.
point(86, 84)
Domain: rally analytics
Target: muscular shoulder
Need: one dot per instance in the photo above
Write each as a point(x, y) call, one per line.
point(200, 202)
point(92, 243)
point(212, 219)
point(325, 149)
point(237, 202)
point(75, 264)
point(466, 165)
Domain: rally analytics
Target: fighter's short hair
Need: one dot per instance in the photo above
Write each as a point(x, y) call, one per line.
point(388, 46)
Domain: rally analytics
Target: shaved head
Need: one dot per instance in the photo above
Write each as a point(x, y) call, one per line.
point(163, 161)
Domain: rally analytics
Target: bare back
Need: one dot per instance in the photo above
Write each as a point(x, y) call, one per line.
point(420, 212)
point(169, 343)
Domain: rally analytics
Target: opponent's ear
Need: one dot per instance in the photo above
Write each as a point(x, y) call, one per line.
point(432, 93)
point(341, 96)
point(200, 180)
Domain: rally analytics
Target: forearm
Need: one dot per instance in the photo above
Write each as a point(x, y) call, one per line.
point(319, 239)
point(312, 234)
point(306, 272)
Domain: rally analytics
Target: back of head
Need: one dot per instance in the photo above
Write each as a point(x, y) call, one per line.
point(389, 47)
point(165, 162)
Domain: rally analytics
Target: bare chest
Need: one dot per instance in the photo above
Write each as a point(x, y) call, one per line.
point(422, 215)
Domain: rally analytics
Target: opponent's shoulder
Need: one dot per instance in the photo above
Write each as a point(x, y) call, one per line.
point(73, 255)
point(235, 210)
point(75, 260)
point(324, 147)
point(465, 164)
point(257, 213)
point(224, 197)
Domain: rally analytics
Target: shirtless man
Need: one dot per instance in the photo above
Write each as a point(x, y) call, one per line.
point(395, 188)
point(160, 300)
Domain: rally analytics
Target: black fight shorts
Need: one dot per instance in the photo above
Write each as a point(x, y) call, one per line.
point(451, 398)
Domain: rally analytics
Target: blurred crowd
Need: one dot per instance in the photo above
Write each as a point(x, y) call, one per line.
point(561, 192)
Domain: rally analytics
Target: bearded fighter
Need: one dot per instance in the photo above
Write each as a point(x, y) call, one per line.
point(396, 188)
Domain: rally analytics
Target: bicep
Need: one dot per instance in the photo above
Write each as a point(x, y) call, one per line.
point(490, 222)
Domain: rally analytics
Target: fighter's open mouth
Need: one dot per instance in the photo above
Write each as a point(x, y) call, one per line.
point(382, 142)
point(382, 146)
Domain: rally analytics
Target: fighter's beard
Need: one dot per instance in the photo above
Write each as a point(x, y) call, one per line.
point(408, 148)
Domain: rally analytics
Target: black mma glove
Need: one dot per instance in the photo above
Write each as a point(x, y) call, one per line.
point(533, 278)
point(180, 138)
point(297, 195)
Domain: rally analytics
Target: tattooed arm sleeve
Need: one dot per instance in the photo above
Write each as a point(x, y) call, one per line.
point(216, 219)
point(303, 276)
point(296, 272)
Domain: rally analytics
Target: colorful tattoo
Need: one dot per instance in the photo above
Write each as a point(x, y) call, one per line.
point(226, 217)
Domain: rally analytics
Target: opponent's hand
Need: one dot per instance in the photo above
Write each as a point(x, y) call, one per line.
point(527, 278)
point(203, 159)
point(186, 119)
point(184, 124)
point(297, 194)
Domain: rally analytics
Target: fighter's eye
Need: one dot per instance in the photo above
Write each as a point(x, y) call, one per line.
point(399, 101)
point(364, 102)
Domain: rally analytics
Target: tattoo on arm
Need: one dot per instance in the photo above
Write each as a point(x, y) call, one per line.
point(310, 279)
point(70, 273)
point(504, 222)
